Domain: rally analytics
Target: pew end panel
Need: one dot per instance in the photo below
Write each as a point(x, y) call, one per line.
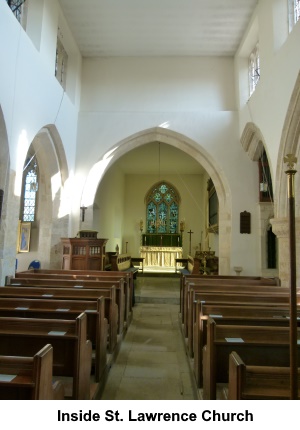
point(29, 378)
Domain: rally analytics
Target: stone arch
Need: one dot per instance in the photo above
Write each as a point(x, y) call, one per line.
point(289, 144)
point(192, 148)
point(52, 223)
point(253, 144)
point(7, 259)
point(252, 141)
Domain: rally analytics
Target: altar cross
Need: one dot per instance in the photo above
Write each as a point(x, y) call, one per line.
point(190, 233)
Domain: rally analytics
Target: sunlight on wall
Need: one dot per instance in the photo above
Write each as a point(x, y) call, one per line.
point(165, 124)
point(22, 149)
point(67, 192)
point(94, 177)
point(55, 184)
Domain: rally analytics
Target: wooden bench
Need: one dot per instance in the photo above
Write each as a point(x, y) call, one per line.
point(29, 378)
point(195, 293)
point(212, 283)
point(64, 282)
point(72, 352)
point(190, 264)
point(123, 263)
point(111, 308)
point(67, 309)
point(260, 298)
point(185, 280)
point(234, 313)
point(139, 261)
point(260, 345)
point(247, 382)
point(97, 275)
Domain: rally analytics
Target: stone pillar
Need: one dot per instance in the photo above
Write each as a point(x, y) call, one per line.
point(280, 226)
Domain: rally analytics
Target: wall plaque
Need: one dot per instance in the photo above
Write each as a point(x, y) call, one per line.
point(245, 222)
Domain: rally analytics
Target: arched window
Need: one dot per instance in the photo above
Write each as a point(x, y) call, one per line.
point(254, 69)
point(162, 209)
point(29, 192)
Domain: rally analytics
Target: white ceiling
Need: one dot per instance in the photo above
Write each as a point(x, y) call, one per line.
point(158, 27)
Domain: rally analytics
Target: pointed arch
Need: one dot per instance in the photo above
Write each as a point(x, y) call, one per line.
point(289, 144)
point(52, 217)
point(187, 145)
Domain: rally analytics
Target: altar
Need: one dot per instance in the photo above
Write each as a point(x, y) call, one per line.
point(162, 256)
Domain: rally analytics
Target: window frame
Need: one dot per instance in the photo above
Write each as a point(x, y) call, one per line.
point(30, 177)
point(253, 69)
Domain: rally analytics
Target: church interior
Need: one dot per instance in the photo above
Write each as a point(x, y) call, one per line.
point(152, 150)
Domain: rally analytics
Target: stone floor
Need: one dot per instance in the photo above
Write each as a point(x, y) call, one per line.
point(152, 363)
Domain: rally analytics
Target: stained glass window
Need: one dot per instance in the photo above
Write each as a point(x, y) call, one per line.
point(30, 188)
point(162, 209)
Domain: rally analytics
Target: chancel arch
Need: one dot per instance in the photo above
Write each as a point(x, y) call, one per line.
point(176, 140)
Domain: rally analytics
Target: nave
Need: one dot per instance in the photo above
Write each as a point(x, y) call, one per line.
point(152, 363)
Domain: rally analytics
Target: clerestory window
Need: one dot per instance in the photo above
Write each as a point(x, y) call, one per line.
point(294, 12)
point(19, 9)
point(254, 69)
point(61, 62)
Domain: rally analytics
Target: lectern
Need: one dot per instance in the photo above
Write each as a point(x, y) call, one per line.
point(85, 252)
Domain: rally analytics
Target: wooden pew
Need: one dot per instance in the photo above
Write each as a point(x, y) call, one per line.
point(259, 345)
point(191, 265)
point(67, 309)
point(260, 293)
point(111, 308)
point(185, 280)
point(72, 352)
point(230, 313)
point(123, 263)
point(247, 382)
point(54, 282)
point(29, 378)
point(97, 275)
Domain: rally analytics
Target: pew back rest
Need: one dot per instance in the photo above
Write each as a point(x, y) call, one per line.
point(31, 377)
point(257, 382)
point(72, 352)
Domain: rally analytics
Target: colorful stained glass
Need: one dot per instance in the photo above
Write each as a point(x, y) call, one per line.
point(162, 209)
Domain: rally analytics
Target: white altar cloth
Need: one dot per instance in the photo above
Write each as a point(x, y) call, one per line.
point(163, 256)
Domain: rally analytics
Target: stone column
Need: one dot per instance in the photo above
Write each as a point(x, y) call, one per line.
point(280, 226)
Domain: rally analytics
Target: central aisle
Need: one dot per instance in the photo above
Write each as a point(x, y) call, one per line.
point(152, 363)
